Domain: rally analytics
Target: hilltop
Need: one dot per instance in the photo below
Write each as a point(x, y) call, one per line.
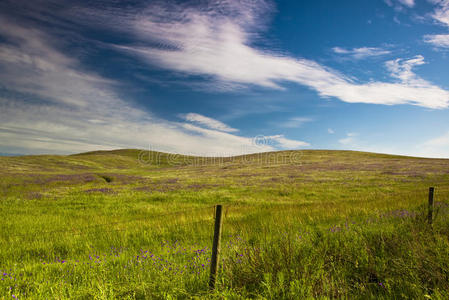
point(128, 159)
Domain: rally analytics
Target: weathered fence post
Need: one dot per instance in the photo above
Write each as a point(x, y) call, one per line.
point(215, 247)
point(430, 213)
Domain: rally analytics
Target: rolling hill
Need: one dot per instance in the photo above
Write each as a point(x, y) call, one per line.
point(134, 224)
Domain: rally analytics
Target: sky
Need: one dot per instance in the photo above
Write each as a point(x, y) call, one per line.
point(224, 77)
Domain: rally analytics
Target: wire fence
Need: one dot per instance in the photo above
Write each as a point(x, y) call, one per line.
point(228, 209)
point(213, 211)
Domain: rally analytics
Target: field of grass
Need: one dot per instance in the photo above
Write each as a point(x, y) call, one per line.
point(315, 224)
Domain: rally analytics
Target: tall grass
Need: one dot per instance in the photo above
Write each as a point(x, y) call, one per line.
point(335, 225)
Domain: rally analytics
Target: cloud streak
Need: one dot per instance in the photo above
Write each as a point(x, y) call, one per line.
point(208, 122)
point(441, 15)
point(295, 122)
point(361, 53)
point(349, 140)
point(437, 147)
point(439, 40)
point(54, 105)
point(403, 69)
point(409, 3)
point(216, 44)
point(287, 143)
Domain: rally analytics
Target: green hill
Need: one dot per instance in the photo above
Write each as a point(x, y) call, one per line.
point(127, 159)
point(134, 224)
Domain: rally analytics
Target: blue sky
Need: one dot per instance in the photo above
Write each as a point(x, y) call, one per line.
point(224, 77)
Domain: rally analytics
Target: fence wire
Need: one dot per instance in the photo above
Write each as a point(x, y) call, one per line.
point(228, 209)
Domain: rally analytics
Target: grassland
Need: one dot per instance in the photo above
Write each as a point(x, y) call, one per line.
point(128, 224)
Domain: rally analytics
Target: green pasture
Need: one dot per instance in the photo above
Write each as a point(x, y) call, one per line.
point(315, 224)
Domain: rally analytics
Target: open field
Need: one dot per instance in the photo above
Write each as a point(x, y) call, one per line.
point(297, 224)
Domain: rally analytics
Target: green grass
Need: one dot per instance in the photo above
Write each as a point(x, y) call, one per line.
point(297, 224)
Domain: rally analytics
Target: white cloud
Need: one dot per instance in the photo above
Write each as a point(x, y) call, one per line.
point(330, 131)
point(285, 143)
point(442, 141)
point(346, 141)
point(402, 69)
point(441, 15)
point(435, 147)
point(295, 122)
point(349, 140)
point(439, 40)
point(409, 3)
point(208, 122)
point(31, 65)
point(399, 5)
point(216, 44)
point(361, 53)
point(81, 111)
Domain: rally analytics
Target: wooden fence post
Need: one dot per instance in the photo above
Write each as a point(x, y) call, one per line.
point(430, 212)
point(215, 247)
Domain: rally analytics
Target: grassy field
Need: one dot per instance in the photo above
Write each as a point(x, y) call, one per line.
point(128, 224)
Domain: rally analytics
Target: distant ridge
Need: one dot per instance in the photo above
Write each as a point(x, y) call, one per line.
point(134, 152)
point(121, 160)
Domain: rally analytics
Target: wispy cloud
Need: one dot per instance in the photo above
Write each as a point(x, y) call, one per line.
point(215, 43)
point(399, 4)
point(330, 131)
point(349, 140)
point(434, 147)
point(54, 105)
point(285, 143)
point(402, 69)
point(409, 3)
point(441, 141)
point(295, 122)
point(439, 40)
point(441, 15)
point(208, 122)
point(30, 64)
point(361, 53)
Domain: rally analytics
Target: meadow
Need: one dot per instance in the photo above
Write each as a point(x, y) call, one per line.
point(310, 224)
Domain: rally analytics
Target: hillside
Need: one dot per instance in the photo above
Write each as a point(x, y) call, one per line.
point(283, 166)
point(307, 224)
point(127, 159)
